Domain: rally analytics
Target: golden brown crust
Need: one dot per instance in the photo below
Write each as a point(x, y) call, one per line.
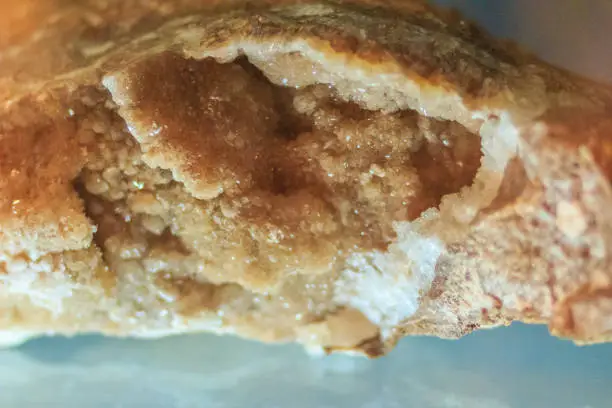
point(537, 249)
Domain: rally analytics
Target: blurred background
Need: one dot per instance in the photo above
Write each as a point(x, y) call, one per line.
point(576, 34)
point(515, 367)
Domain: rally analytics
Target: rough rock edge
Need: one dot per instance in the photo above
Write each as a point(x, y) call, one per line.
point(542, 102)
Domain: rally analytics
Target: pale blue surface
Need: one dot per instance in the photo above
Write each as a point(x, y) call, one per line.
point(517, 367)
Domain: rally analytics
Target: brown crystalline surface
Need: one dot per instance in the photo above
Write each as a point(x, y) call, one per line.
point(292, 195)
point(293, 191)
point(191, 194)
